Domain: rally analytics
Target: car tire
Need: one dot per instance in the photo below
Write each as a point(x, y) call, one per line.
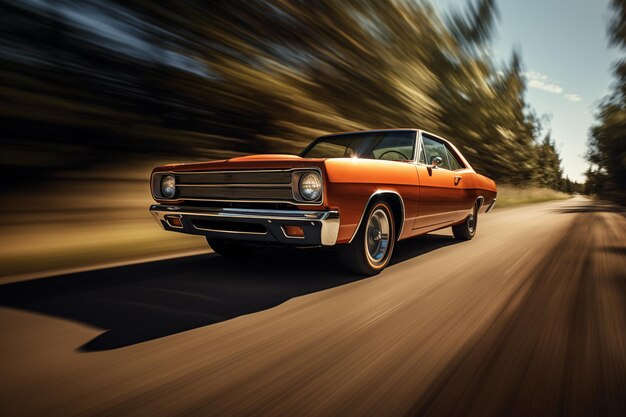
point(229, 248)
point(467, 229)
point(372, 247)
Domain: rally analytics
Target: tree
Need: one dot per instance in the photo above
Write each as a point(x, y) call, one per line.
point(196, 79)
point(550, 173)
point(607, 141)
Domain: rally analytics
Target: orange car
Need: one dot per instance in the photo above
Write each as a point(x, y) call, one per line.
point(358, 191)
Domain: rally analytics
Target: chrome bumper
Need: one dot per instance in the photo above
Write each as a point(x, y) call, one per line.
point(254, 225)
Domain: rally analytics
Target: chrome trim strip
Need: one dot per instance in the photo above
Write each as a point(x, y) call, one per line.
point(235, 185)
point(375, 194)
point(244, 213)
point(233, 232)
point(434, 224)
point(329, 220)
point(416, 147)
point(237, 171)
point(292, 203)
point(491, 206)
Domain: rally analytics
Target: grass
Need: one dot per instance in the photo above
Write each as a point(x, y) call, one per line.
point(509, 195)
point(58, 247)
point(94, 221)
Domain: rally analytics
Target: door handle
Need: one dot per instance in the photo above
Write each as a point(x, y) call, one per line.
point(457, 180)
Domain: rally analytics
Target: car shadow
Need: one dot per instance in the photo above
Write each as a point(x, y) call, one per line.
point(593, 207)
point(618, 250)
point(147, 301)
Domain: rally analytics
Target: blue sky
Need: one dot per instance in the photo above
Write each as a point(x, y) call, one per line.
point(568, 63)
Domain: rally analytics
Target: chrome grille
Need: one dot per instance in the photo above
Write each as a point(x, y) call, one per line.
point(263, 186)
point(235, 193)
point(230, 177)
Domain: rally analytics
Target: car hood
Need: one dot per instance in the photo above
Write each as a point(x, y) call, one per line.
point(262, 161)
point(266, 157)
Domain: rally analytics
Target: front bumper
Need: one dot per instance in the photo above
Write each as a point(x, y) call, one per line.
point(320, 228)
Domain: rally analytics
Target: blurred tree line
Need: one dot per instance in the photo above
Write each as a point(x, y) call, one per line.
point(86, 83)
point(607, 143)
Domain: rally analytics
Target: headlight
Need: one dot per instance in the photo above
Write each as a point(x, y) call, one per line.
point(168, 186)
point(310, 186)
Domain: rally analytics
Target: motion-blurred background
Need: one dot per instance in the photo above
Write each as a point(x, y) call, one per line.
point(96, 93)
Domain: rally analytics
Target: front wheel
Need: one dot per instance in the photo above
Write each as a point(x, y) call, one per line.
point(371, 249)
point(467, 229)
point(229, 248)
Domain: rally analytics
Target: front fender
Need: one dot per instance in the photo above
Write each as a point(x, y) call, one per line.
point(352, 182)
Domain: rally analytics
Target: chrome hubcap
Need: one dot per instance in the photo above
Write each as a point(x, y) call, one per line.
point(377, 236)
point(471, 222)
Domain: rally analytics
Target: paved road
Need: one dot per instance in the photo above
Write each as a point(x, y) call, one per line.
point(528, 319)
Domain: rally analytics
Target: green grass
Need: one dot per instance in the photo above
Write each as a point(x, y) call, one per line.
point(509, 195)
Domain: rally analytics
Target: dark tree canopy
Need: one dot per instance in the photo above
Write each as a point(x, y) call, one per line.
point(109, 81)
point(607, 141)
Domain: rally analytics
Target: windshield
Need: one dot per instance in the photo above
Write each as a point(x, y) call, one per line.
point(387, 145)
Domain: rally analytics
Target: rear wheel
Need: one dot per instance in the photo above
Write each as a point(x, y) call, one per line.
point(229, 248)
point(467, 229)
point(372, 247)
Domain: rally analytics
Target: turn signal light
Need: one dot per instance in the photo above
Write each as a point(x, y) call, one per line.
point(294, 231)
point(174, 221)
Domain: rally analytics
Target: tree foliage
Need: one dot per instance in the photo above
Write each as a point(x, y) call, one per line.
point(99, 81)
point(607, 142)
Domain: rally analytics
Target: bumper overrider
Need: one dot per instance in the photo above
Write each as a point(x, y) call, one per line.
point(315, 228)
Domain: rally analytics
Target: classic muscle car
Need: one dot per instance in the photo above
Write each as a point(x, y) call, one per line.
point(359, 191)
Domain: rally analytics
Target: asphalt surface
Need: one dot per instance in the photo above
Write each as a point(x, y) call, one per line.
point(527, 319)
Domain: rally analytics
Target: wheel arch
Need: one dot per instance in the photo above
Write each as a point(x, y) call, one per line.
point(396, 202)
point(480, 201)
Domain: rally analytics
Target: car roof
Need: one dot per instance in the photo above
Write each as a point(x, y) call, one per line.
point(352, 132)
point(385, 130)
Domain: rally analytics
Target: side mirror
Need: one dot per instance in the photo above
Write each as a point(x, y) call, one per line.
point(435, 161)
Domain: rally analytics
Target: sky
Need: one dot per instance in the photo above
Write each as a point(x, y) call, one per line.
point(567, 62)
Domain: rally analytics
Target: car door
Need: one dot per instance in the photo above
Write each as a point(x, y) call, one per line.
point(440, 186)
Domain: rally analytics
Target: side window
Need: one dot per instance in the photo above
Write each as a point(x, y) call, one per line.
point(454, 161)
point(433, 149)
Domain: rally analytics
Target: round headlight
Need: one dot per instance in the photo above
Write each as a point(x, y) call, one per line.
point(168, 186)
point(311, 186)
